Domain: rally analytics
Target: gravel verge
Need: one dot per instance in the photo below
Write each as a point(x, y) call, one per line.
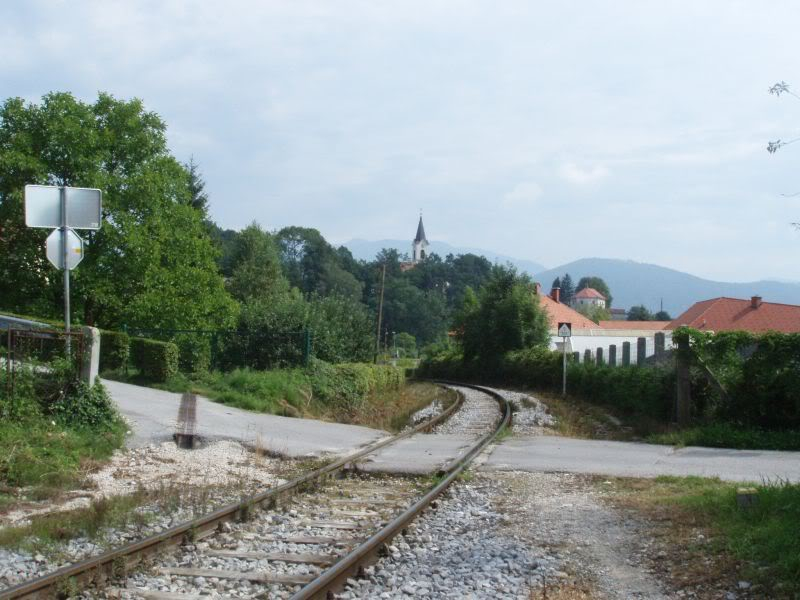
point(180, 485)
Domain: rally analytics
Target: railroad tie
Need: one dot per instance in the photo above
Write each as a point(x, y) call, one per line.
point(251, 576)
point(311, 539)
point(299, 558)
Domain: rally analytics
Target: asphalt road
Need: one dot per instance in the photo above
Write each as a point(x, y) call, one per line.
point(627, 459)
point(153, 415)
point(418, 454)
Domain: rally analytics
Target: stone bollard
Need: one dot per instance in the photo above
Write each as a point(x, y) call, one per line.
point(746, 498)
point(660, 342)
point(90, 361)
point(587, 356)
point(599, 357)
point(626, 354)
point(612, 355)
point(641, 351)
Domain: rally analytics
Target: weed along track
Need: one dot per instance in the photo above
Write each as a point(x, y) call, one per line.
point(301, 539)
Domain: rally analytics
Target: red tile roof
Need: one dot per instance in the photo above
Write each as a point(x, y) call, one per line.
point(557, 313)
point(639, 325)
point(589, 293)
point(728, 314)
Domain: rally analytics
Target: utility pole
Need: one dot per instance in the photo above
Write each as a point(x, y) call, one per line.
point(380, 315)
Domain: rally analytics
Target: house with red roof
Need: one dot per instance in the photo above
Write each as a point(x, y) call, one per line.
point(561, 313)
point(734, 314)
point(590, 298)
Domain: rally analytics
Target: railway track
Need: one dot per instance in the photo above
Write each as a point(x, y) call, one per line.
point(302, 539)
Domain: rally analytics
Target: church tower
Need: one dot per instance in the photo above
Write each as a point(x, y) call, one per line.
point(419, 247)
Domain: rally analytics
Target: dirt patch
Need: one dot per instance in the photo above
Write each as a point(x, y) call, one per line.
point(684, 551)
point(602, 551)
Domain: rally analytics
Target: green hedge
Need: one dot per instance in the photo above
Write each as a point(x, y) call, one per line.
point(155, 360)
point(632, 390)
point(760, 373)
point(115, 348)
point(194, 352)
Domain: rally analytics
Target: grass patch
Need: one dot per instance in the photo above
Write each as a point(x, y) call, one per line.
point(46, 458)
point(725, 435)
point(763, 539)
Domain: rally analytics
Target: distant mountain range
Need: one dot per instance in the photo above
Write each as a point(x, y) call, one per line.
point(631, 282)
point(366, 250)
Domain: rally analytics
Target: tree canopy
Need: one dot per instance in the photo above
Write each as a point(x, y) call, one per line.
point(639, 313)
point(152, 264)
point(505, 315)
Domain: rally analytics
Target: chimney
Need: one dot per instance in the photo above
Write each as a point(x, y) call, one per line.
point(755, 301)
point(538, 288)
point(555, 294)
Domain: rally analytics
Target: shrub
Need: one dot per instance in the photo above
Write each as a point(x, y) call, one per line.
point(155, 360)
point(85, 406)
point(194, 352)
point(347, 385)
point(115, 347)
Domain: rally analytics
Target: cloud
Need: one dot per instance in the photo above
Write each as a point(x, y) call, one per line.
point(582, 176)
point(525, 193)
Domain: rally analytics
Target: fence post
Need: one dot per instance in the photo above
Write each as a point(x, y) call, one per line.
point(576, 356)
point(641, 351)
point(684, 387)
point(587, 356)
point(660, 344)
point(599, 357)
point(612, 355)
point(90, 361)
point(626, 354)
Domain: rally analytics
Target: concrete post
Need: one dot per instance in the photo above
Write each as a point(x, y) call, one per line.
point(684, 387)
point(599, 357)
point(660, 345)
point(576, 356)
point(90, 361)
point(626, 354)
point(612, 355)
point(587, 356)
point(641, 351)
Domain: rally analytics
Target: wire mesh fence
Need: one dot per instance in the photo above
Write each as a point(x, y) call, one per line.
point(201, 349)
point(54, 356)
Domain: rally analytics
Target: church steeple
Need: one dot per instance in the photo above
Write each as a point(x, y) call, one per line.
point(420, 232)
point(420, 244)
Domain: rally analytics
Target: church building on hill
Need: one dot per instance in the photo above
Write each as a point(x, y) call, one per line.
point(419, 248)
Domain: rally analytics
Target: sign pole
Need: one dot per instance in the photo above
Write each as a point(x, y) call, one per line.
point(65, 266)
point(564, 360)
point(564, 332)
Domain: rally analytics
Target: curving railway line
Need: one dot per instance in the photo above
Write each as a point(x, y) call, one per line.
point(302, 539)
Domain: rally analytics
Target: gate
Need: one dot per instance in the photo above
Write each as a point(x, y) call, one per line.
point(35, 350)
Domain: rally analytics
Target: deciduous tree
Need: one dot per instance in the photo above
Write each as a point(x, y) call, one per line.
point(152, 264)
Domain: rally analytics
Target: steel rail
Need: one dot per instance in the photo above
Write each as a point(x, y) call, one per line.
point(350, 565)
point(113, 563)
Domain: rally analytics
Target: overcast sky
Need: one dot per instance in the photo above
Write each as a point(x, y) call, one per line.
point(543, 130)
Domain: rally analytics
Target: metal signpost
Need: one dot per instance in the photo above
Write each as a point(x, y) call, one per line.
point(564, 332)
point(64, 209)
